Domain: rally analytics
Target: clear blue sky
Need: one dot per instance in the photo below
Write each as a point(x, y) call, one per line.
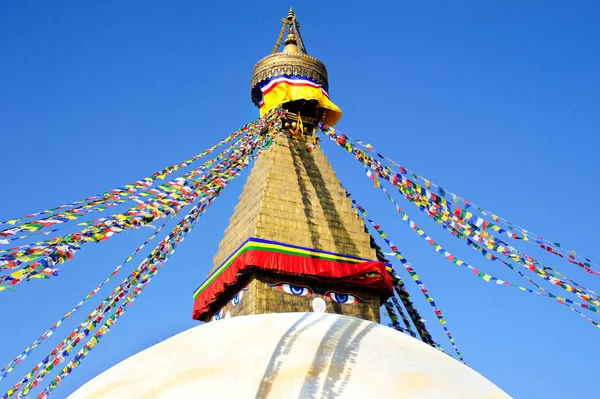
point(497, 102)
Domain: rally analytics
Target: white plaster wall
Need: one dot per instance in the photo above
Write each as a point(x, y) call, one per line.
point(290, 355)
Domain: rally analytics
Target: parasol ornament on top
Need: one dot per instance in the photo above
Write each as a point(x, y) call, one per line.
point(294, 79)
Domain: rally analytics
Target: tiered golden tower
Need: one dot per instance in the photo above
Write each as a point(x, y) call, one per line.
point(294, 242)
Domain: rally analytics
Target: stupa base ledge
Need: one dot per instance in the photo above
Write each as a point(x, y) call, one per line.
point(290, 355)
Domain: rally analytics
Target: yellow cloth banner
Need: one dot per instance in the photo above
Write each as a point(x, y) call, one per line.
point(284, 91)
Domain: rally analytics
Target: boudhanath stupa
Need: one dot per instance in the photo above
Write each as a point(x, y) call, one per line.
point(292, 304)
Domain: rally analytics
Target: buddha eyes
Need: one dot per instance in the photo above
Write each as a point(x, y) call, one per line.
point(223, 313)
point(219, 315)
point(343, 298)
point(299, 290)
point(238, 297)
point(296, 290)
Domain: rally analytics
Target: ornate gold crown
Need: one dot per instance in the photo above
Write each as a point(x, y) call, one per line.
point(292, 60)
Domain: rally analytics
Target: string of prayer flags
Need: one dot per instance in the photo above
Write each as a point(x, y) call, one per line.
point(119, 195)
point(445, 218)
point(393, 317)
point(412, 310)
point(132, 218)
point(490, 278)
point(484, 276)
point(511, 228)
point(49, 332)
point(406, 182)
point(408, 329)
point(135, 282)
point(460, 230)
point(561, 300)
point(428, 203)
point(168, 194)
point(115, 193)
point(7, 241)
point(411, 271)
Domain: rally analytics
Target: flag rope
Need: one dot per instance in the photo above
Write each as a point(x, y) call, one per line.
point(126, 190)
point(442, 215)
point(553, 247)
point(160, 204)
point(452, 258)
point(244, 158)
point(411, 271)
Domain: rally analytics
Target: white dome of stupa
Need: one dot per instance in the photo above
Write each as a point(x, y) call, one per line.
point(290, 355)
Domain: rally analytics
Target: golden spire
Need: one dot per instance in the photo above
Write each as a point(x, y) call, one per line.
point(291, 43)
point(292, 60)
point(293, 33)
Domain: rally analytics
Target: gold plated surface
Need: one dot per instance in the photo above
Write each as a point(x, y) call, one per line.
point(293, 60)
point(289, 64)
point(294, 196)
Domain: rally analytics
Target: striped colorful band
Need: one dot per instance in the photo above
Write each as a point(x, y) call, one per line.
point(274, 246)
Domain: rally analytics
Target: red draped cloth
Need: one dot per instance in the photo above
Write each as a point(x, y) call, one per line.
point(368, 274)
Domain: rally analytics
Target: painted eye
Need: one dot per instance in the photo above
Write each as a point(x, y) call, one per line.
point(343, 298)
point(218, 315)
point(238, 297)
point(296, 290)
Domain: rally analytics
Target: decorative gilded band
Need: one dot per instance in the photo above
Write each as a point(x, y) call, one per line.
point(273, 246)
